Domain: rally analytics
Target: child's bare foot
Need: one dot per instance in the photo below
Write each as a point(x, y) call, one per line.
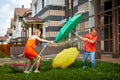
point(36, 71)
point(25, 71)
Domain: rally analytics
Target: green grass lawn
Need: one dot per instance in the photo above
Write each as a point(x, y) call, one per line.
point(102, 71)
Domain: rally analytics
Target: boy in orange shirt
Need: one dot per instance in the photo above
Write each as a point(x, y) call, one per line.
point(89, 47)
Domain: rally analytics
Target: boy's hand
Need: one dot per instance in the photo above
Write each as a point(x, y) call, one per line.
point(82, 38)
point(20, 55)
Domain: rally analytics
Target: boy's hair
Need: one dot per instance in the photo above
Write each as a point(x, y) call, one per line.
point(93, 28)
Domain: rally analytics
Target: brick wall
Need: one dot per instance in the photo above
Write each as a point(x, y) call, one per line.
point(84, 7)
point(15, 51)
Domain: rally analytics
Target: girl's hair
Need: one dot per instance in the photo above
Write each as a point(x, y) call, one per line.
point(36, 31)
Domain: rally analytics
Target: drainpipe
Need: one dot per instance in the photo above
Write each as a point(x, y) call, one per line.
point(49, 20)
point(71, 8)
point(67, 9)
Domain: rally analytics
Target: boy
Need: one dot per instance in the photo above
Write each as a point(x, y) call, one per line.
point(89, 47)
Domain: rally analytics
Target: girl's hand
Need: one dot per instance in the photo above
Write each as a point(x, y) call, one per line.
point(51, 41)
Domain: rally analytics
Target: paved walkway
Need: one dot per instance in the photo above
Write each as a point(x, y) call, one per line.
point(108, 58)
point(105, 58)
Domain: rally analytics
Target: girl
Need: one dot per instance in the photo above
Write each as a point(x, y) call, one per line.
point(29, 51)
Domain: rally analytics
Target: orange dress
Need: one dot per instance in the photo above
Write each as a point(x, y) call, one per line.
point(29, 51)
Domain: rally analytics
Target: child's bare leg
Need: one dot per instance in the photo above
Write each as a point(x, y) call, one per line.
point(28, 66)
point(37, 65)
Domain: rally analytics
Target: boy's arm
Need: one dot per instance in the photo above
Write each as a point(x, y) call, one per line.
point(91, 41)
point(82, 38)
point(43, 40)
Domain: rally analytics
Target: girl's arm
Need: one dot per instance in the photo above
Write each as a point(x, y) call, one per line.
point(43, 40)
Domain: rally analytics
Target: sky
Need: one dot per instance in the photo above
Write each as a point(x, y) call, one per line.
point(7, 11)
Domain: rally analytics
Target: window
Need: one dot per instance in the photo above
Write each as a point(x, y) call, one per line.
point(10, 34)
point(20, 19)
point(35, 7)
point(14, 27)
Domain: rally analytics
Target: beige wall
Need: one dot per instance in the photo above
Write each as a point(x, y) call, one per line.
point(83, 26)
point(52, 23)
point(52, 34)
point(54, 13)
point(54, 2)
point(84, 7)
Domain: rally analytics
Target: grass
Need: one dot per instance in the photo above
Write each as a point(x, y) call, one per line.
point(102, 71)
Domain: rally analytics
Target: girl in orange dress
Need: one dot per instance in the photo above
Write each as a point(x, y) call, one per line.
point(29, 51)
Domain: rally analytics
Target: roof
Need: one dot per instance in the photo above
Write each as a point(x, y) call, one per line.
point(9, 31)
point(32, 20)
point(27, 13)
point(21, 11)
point(12, 22)
point(2, 38)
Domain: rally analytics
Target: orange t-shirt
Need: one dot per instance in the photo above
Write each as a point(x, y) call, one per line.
point(90, 47)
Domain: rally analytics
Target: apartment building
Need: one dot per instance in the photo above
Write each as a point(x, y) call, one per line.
point(105, 16)
point(51, 12)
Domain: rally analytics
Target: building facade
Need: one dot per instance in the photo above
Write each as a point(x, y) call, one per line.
point(16, 24)
point(104, 15)
point(107, 21)
point(52, 12)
